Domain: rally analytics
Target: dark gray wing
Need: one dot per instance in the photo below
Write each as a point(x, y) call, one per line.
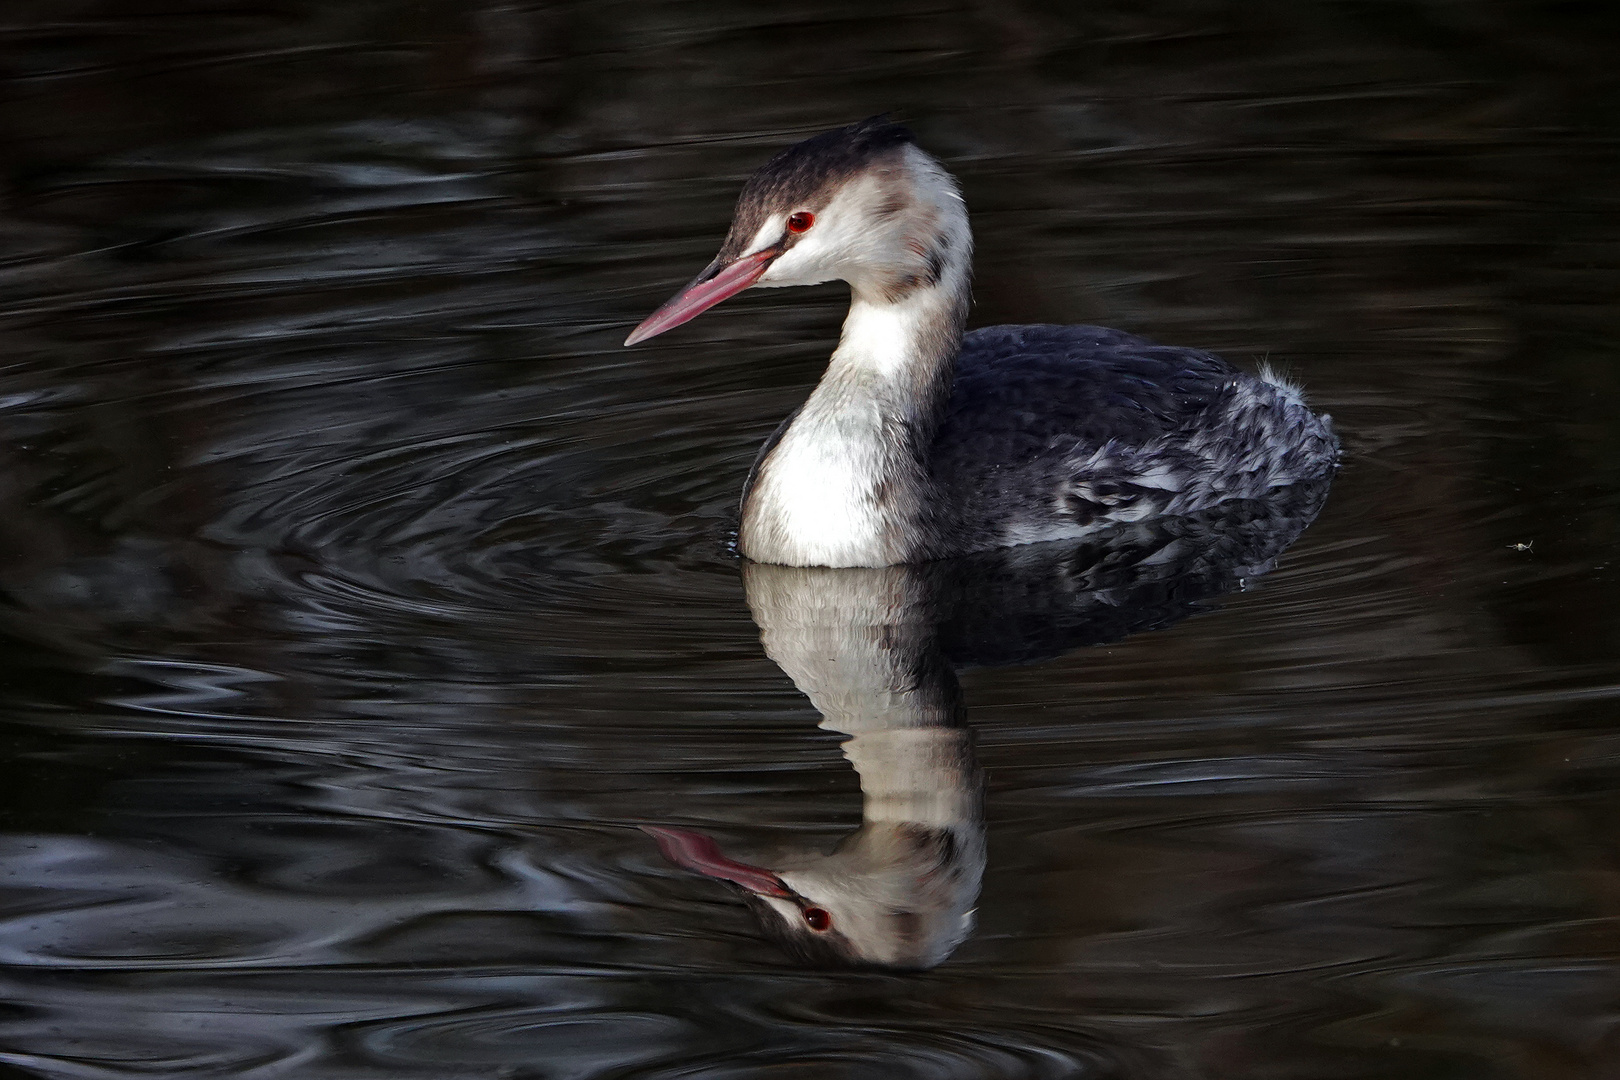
point(1021, 390)
point(1028, 401)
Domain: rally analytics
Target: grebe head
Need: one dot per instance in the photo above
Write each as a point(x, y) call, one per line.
point(861, 204)
point(892, 895)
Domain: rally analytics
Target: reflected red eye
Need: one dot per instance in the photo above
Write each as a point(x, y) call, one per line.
point(817, 918)
point(798, 223)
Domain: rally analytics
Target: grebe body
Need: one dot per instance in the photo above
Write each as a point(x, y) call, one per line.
point(923, 443)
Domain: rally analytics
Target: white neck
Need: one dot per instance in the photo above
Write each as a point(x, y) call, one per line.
point(846, 482)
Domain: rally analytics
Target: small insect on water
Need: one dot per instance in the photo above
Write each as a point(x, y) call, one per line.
point(1531, 546)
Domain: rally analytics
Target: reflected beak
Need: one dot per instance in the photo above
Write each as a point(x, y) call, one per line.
point(693, 850)
point(703, 292)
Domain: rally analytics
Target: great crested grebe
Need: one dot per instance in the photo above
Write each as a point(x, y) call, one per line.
point(923, 443)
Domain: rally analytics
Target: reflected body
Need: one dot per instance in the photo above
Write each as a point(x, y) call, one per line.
point(876, 652)
point(921, 443)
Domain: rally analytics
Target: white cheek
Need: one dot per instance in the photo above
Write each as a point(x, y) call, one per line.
point(768, 233)
point(805, 263)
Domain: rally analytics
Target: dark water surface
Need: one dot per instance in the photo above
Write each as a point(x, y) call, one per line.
point(362, 596)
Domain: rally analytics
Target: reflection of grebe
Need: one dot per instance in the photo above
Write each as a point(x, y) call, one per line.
point(862, 645)
point(922, 443)
point(876, 652)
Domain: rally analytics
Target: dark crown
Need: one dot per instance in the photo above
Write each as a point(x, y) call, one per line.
point(798, 173)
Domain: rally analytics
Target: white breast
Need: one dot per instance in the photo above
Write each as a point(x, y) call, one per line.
point(843, 487)
point(815, 501)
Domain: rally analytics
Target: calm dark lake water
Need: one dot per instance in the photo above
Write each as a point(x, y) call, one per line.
point(363, 598)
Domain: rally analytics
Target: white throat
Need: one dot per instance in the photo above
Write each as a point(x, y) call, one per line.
point(845, 483)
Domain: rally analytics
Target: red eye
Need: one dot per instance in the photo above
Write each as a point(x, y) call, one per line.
point(817, 918)
point(799, 223)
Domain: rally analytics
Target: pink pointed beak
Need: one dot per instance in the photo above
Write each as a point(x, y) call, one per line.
point(693, 850)
point(702, 293)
